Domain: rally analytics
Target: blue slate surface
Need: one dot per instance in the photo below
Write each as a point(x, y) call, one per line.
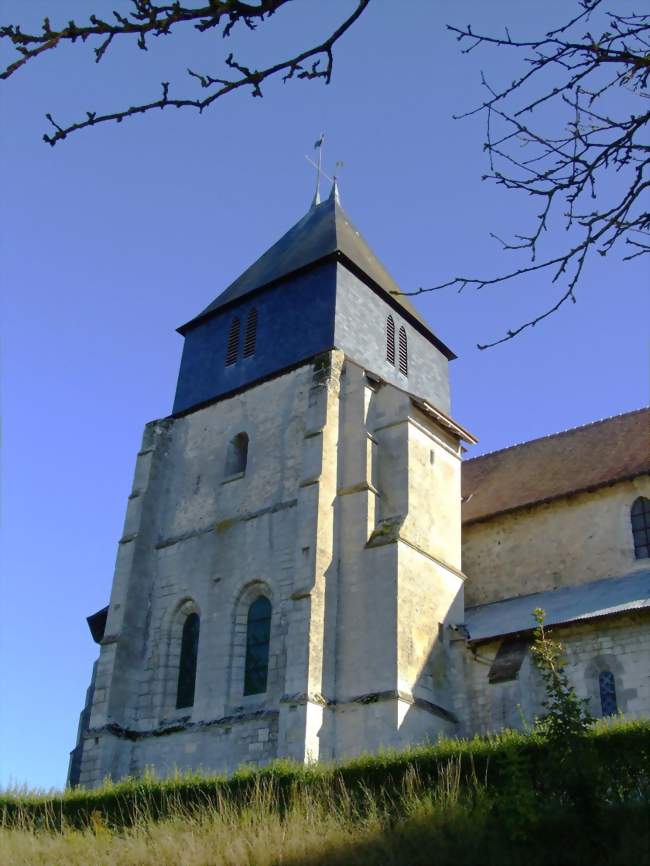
point(295, 322)
point(567, 604)
point(319, 287)
point(360, 331)
point(323, 230)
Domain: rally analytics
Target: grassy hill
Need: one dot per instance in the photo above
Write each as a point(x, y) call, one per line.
point(508, 799)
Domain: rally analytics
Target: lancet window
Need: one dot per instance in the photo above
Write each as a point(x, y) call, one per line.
point(640, 516)
point(258, 636)
point(237, 455)
point(607, 687)
point(187, 663)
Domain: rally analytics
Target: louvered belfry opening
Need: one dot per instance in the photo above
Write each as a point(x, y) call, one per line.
point(390, 340)
point(232, 349)
point(403, 352)
point(250, 335)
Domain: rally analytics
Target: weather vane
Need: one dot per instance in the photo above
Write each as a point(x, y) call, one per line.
point(318, 145)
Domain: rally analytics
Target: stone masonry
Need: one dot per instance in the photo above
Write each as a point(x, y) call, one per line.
point(329, 520)
point(311, 465)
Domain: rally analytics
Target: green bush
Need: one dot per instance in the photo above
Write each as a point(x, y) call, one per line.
point(518, 771)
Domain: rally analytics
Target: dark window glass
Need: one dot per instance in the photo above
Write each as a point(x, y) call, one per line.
point(232, 349)
point(237, 455)
point(258, 634)
point(250, 335)
point(640, 515)
point(390, 340)
point(607, 693)
point(187, 666)
point(403, 352)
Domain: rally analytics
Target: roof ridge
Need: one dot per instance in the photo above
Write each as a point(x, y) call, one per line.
point(558, 433)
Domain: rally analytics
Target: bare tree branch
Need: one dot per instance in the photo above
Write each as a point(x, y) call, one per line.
point(600, 135)
point(148, 19)
point(597, 111)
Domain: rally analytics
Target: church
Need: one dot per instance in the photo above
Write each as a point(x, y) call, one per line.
point(312, 564)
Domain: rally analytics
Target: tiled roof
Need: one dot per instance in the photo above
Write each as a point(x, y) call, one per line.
point(567, 604)
point(569, 462)
point(325, 230)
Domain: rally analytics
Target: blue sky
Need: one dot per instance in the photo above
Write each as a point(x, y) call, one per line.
point(113, 238)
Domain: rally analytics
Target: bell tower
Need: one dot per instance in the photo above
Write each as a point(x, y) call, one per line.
point(291, 547)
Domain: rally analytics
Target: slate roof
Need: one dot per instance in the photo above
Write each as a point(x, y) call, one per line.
point(580, 459)
point(325, 230)
point(97, 624)
point(565, 605)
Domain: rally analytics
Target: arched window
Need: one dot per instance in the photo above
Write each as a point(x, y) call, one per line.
point(232, 349)
point(640, 515)
point(237, 455)
point(607, 687)
point(187, 664)
point(390, 340)
point(258, 634)
point(250, 334)
point(403, 352)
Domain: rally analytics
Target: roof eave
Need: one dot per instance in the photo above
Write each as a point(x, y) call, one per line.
point(445, 421)
point(391, 299)
point(335, 255)
point(545, 500)
point(587, 618)
point(210, 314)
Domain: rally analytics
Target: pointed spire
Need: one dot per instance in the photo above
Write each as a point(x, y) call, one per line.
point(316, 198)
point(334, 194)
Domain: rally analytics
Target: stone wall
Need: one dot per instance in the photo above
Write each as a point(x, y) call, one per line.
point(197, 539)
point(330, 520)
point(347, 518)
point(566, 542)
point(399, 569)
point(620, 644)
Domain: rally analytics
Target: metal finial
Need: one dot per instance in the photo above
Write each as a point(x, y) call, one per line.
point(335, 185)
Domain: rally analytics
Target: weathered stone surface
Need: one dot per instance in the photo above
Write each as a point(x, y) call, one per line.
point(574, 540)
point(347, 517)
point(620, 644)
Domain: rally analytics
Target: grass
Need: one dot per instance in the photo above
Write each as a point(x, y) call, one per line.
point(476, 802)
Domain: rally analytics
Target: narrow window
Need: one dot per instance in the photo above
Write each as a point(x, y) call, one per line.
point(187, 665)
point(641, 527)
point(258, 633)
point(390, 340)
point(403, 352)
point(607, 687)
point(250, 335)
point(232, 349)
point(237, 455)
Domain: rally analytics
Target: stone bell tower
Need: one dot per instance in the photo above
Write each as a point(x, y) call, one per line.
point(291, 548)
